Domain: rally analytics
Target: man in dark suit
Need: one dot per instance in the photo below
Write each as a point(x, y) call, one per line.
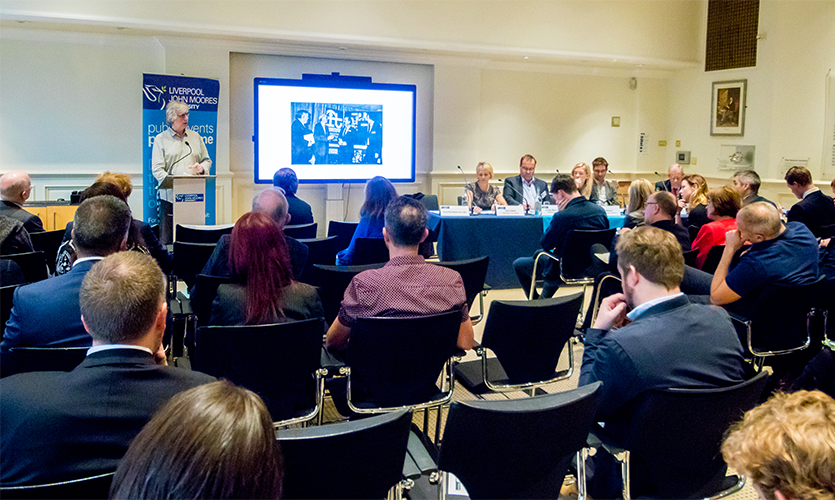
point(300, 138)
point(46, 313)
point(576, 212)
point(524, 189)
point(15, 188)
point(322, 138)
point(673, 183)
point(814, 209)
point(274, 204)
point(603, 192)
point(747, 184)
point(299, 210)
point(57, 426)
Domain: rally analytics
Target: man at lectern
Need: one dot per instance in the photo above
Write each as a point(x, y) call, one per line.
point(177, 151)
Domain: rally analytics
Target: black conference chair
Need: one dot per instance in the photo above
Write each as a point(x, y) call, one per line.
point(430, 201)
point(299, 231)
point(351, 460)
point(320, 251)
point(369, 251)
point(527, 338)
point(332, 282)
point(6, 301)
point(827, 231)
point(42, 359)
point(690, 258)
point(190, 259)
point(203, 294)
point(694, 231)
point(473, 273)
point(344, 232)
point(575, 263)
point(92, 488)
point(518, 448)
point(604, 286)
point(714, 255)
point(202, 234)
point(280, 362)
point(33, 265)
point(48, 243)
point(673, 440)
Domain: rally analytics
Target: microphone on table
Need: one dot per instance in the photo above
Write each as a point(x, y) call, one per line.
point(514, 190)
point(465, 183)
point(184, 156)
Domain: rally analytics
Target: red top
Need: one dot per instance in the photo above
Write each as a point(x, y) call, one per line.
point(710, 235)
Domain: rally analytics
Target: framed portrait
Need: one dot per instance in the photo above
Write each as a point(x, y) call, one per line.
point(727, 108)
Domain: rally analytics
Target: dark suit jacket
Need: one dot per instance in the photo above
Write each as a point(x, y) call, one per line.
point(298, 144)
point(218, 264)
point(30, 221)
point(613, 191)
point(513, 190)
point(578, 213)
point(664, 186)
point(47, 314)
point(299, 210)
point(816, 210)
point(56, 426)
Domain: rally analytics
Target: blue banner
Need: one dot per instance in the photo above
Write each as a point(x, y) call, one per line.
point(201, 95)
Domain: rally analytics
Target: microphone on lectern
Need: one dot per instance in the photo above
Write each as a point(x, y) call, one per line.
point(185, 155)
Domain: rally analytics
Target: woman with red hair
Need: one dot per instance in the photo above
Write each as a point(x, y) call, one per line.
point(263, 291)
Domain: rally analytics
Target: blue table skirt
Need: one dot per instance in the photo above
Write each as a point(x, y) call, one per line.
point(615, 221)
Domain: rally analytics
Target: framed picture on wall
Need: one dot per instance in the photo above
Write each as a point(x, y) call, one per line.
point(727, 108)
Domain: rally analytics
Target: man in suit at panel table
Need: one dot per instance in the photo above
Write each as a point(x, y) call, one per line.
point(603, 193)
point(575, 212)
point(57, 426)
point(299, 210)
point(46, 313)
point(673, 183)
point(274, 204)
point(814, 209)
point(15, 188)
point(524, 189)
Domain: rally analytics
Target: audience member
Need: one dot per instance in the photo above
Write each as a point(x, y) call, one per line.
point(582, 177)
point(639, 192)
point(673, 183)
point(670, 342)
point(299, 210)
point(480, 194)
point(46, 313)
point(140, 236)
point(602, 192)
point(406, 286)
point(213, 441)
point(10, 273)
point(747, 184)
point(814, 209)
point(274, 204)
point(692, 205)
point(722, 205)
point(524, 189)
point(58, 426)
point(15, 188)
point(786, 447)
point(575, 212)
point(14, 238)
point(263, 291)
point(379, 191)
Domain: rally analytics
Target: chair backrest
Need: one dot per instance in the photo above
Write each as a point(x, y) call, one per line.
point(576, 258)
point(202, 234)
point(675, 434)
point(190, 258)
point(203, 294)
point(48, 243)
point(358, 459)
point(473, 272)
point(827, 231)
point(301, 230)
point(690, 258)
point(518, 448)
point(430, 201)
point(320, 251)
point(396, 361)
point(714, 255)
point(276, 361)
point(43, 359)
point(694, 231)
point(334, 281)
point(344, 232)
point(95, 487)
point(6, 298)
point(528, 336)
point(369, 251)
point(33, 265)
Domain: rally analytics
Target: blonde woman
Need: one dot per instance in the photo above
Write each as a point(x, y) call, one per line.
point(692, 207)
point(581, 174)
point(481, 195)
point(639, 192)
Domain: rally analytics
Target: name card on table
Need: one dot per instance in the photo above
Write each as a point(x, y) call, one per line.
point(612, 210)
point(455, 211)
point(549, 210)
point(504, 210)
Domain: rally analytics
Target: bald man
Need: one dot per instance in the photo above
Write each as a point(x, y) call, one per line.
point(673, 183)
point(15, 188)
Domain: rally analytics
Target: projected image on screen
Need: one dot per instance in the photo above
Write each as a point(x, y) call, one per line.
point(336, 134)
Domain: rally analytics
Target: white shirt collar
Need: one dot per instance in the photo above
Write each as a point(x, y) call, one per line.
point(108, 347)
point(634, 313)
point(533, 180)
point(85, 259)
point(810, 191)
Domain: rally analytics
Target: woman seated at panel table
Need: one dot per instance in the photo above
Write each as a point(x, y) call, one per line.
point(481, 195)
point(692, 207)
point(581, 174)
point(379, 191)
point(639, 192)
point(263, 290)
point(722, 205)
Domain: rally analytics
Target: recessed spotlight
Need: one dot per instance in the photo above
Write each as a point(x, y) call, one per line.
point(525, 57)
